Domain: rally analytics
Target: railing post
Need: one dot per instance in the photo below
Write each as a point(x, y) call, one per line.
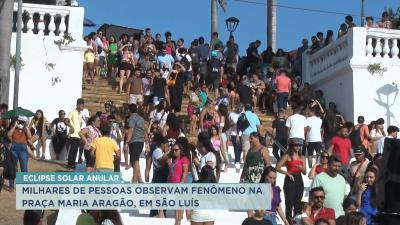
point(52, 25)
point(395, 49)
point(30, 25)
point(41, 25)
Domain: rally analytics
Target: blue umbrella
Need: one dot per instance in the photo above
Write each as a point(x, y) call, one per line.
point(88, 23)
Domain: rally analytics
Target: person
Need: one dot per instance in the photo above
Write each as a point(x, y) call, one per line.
point(74, 139)
point(110, 217)
point(359, 135)
point(147, 83)
point(357, 168)
point(160, 89)
point(355, 218)
point(88, 135)
point(100, 54)
point(349, 22)
point(235, 133)
point(216, 143)
point(126, 65)
point(320, 167)
point(366, 196)
point(293, 185)
point(176, 83)
point(391, 133)
point(342, 30)
point(283, 88)
point(377, 135)
point(19, 136)
point(385, 21)
point(112, 57)
point(341, 146)
point(107, 110)
point(258, 219)
point(37, 127)
point(207, 152)
point(216, 70)
point(232, 54)
point(204, 217)
point(223, 132)
point(116, 135)
point(135, 140)
point(313, 134)
point(178, 171)
point(318, 210)
point(269, 176)
point(304, 217)
point(253, 57)
point(165, 60)
point(33, 217)
point(322, 221)
point(215, 41)
point(349, 206)
point(296, 124)
point(103, 150)
point(370, 22)
point(244, 92)
point(207, 116)
point(254, 127)
point(328, 39)
point(135, 86)
point(159, 114)
point(279, 134)
point(333, 184)
point(171, 129)
point(59, 132)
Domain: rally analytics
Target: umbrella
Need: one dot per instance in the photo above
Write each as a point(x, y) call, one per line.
point(88, 23)
point(17, 112)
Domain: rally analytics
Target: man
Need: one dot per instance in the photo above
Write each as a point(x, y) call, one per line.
point(314, 45)
point(349, 22)
point(296, 124)
point(391, 133)
point(321, 40)
point(254, 126)
point(244, 92)
point(74, 141)
point(135, 88)
point(179, 45)
point(232, 54)
point(184, 58)
point(318, 211)
point(135, 140)
point(313, 133)
point(341, 146)
point(160, 89)
point(216, 70)
point(195, 56)
point(158, 42)
point(214, 41)
point(333, 185)
point(147, 83)
point(235, 134)
point(165, 60)
point(253, 57)
point(100, 58)
point(283, 89)
point(359, 135)
point(104, 148)
point(357, 168)
point(3, 122)
point(257, 219)
point(59, 132)
point(299, 56)
point(204, 52)
point(279, 134)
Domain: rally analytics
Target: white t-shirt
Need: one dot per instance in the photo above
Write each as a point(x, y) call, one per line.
point(147, 89)
point(233, 118)
point(380, 142)
point(315, 124)
point(179, 58)
point(100, 43)
point(85, 116)
point(161, 117)
point(209, 157)
point(156, 156)
point(296, 124)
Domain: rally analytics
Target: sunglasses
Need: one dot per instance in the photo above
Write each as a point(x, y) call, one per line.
point(175, 149)
point(319, 197)
point(324, 156)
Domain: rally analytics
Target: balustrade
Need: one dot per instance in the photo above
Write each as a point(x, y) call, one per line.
point(382, 43)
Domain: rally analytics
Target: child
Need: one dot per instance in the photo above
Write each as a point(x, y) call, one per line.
point(303, 218)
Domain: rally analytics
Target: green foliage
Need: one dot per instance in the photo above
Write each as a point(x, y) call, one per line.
point(65, 40)
point(13, 62)
point(55, 80)
point(50, 66)
point(376, 68)
point(394, 17)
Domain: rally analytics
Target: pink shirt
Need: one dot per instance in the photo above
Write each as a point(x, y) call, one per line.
point(176, 170)
point(282, 84)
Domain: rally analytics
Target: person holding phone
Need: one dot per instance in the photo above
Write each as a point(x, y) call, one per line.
point(366, 196)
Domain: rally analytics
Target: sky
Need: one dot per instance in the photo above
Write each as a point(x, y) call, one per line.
point(190, 19)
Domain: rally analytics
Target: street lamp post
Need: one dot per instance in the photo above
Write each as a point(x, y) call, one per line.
point(231, 24)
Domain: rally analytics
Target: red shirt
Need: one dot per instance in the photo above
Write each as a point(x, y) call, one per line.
point(324, 213)
point(341, 148)
point(283, 83)
point(319, 169)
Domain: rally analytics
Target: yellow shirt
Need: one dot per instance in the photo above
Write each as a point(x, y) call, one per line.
point(75, 119)
point(104, 148)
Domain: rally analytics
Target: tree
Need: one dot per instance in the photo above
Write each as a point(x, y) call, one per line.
point(214, 13)
point(6, 23)
point(394, 16)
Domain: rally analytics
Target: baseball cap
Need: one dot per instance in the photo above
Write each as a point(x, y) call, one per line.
point(296, 141)
point(358, 149)
point(214, 54)
point(23, 118)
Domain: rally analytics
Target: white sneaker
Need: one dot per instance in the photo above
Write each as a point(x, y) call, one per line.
point(237, 166)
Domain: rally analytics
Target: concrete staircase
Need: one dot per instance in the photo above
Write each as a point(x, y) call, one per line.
point(96, 95)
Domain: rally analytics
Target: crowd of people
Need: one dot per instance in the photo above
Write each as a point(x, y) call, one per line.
point(225, 92)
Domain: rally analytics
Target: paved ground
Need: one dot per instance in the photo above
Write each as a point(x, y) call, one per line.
point(141, 216)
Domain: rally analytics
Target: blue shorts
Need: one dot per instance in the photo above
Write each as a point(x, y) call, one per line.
point(157, 100)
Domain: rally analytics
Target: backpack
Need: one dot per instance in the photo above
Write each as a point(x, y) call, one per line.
point(242, 123)
point(355, 136)
point(185, 62)
point(194, 54)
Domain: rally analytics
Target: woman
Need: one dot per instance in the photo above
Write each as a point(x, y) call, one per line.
point(38, 129)
point(293, 186)
point(112, 57)
point(88, 63)
point(159, 114)
point(331, 122)
point(342, 30)
point(349, 206)
point(107, 110)
point(59, 133)
point(208, 154)
point(216, 142)
point(355, 218)
point(321, 167)
point(171, 129)
point(329, 37)
point(176, 84)
point(223, 131)
point(19, 135)
point(377, 136)
point(385, 21)
point(366, 196)
point(204, 217)
point(178, 171)
point(269, 176)
point(88, 135)
point(207, 116)
point(126, 65)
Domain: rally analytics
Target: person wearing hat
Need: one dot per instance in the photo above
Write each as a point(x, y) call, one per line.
point(357, 168)
point(216, 69)
point(293, 186)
